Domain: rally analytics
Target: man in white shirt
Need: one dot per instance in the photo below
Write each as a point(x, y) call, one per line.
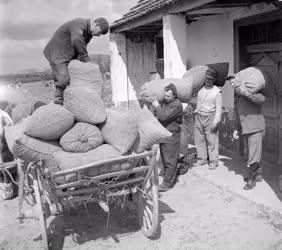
point(208, 116)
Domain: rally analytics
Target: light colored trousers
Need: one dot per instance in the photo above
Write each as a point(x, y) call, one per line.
point(254, 141)
point(206, 142)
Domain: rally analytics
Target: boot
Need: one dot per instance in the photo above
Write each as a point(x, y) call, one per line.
point(259, 174)
point(180, 158)
point(59, 95)
point(213, 165)
point(164, 187)
point(200, 163)
point(251, 180)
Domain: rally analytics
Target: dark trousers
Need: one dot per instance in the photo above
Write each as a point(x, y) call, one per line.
point(169, 153)
point(61, 80)
point(59, 65)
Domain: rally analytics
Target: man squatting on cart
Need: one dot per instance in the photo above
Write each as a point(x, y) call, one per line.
point(69, 42)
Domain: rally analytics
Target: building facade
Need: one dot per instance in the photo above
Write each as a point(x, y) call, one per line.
point(174, 35)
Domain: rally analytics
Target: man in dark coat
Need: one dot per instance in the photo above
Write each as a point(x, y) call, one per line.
point(250, 122)
point(169, 114)
point(70, 42)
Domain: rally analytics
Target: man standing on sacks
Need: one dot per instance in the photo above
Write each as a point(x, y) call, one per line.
point(70, 42)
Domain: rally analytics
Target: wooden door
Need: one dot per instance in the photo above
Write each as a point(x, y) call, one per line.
point(279, 92)
point(268, 57)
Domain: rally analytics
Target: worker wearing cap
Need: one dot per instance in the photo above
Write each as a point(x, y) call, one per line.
point(69, 42)
point(169, 113)
point(208, 116)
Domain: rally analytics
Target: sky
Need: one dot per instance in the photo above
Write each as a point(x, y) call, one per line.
point(27, 25)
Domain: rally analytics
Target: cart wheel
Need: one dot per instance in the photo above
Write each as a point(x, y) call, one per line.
point(148, 206)
point(41, 215)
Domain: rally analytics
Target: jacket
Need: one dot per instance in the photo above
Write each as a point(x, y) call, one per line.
point(69, 42)
point(170, 115)
point(248, 111)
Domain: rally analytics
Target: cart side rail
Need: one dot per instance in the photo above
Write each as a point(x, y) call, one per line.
point(112, 161)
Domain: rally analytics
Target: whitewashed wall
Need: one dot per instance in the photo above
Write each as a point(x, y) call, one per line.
point(211, 40)
point(131, 64)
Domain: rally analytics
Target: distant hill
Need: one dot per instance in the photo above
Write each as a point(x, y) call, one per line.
point(40, 74)
point(27, 76)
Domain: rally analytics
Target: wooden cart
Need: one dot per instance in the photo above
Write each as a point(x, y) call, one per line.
point(139, 180)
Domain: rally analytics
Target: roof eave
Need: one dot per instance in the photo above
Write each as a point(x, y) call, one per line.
point(155, 15)
point(177, 7)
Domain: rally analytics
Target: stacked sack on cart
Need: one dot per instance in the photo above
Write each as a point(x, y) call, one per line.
point(83, 131)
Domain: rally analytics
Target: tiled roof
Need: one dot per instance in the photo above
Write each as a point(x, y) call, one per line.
point(142, 8)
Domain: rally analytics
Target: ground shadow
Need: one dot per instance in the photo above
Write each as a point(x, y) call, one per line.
point(84, 229)
point(270, 173)
point(238, 165)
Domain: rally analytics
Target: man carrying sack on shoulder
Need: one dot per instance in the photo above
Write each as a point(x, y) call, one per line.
point(169, 113)
point(250, 121)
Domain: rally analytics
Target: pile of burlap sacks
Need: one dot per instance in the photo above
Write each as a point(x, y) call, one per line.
point(82, 131)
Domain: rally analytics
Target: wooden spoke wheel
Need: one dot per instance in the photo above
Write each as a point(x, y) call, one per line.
point(147, 206)
point(40, 210)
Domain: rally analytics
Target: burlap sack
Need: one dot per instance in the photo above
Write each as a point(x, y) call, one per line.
point(120, 129)
point(85, 105)
point(27, 148)
point(5, 154)
point(156, 88)
point(252, 78)
point(23, 110)
point(150, 131)
point(199, 75)
point(49, 122)
point(222, 72)
point(82, 137)
point(65, 160)
point(86, 75)
point(7, 120)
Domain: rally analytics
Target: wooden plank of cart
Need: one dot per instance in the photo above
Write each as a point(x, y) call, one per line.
point(139, 180)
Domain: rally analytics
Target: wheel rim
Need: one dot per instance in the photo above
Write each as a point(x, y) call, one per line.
point(40, 210)
point(148, 208)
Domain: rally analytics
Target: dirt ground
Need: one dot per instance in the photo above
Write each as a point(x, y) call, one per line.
point(194, 215)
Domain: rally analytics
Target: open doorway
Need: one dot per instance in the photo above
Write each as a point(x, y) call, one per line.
point(160, 55)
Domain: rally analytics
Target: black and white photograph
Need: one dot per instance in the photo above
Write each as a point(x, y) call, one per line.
point(141, 124)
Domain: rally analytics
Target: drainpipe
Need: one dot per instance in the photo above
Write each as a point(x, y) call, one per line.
point(127, 83)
